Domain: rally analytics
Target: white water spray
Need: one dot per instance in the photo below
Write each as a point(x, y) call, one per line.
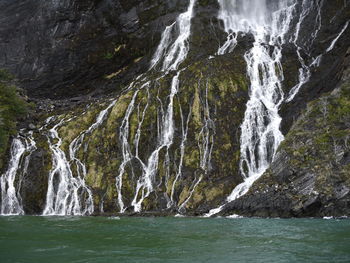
point(305, 71)
point(85, 194)
point(145, 182)
point(170, 53)
point(10, 198)
point(174, 53)
point(68, 194)
point(260, 130)
point(61, 197)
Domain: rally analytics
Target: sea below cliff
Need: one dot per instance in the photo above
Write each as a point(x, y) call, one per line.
point(168, 239)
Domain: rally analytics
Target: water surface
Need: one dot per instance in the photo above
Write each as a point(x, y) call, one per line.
point(97, 239)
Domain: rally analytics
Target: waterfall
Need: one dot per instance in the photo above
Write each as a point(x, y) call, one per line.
point(67, 192)
point(149, 169)
point(305, 70)
point(174, 54)
point(145, 182)
point(62, 196)
point(170, 53)
point(268, 22)
point(9, 200)
point(260, 134)
point(11, 203)
point(126, 147)
point(238, 17)
point(80, 167)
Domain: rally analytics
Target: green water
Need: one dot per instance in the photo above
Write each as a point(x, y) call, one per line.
point(88, 239)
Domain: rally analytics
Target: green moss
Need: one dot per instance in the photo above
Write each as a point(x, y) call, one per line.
point(108, 55)
point(118, 110)
point(95, 175)
point(225, 90)
point(184, 194)
point(196, 109)
point(214, 192)
point(191, 158)
point(72, 129)
point(317, 144)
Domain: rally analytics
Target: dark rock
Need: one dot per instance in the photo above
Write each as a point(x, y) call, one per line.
point(34, 183)
point(31, 126)
point(70, 53)
point(310, 175)
point(69, 48)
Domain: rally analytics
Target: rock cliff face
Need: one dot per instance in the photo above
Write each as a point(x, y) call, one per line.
point(310, 175)
point(92, 56)
point(65, 49)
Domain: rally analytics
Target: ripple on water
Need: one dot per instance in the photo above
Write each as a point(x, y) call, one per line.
point(170, 240)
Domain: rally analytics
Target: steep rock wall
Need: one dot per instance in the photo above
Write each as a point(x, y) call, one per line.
point(310, 175)
point(66, 50)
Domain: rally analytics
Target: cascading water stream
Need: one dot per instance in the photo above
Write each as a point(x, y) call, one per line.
point(85, 194)
point(206, 135)
point(9, 202)
point(62, 197)
point(126, 147)
point(260, 134)
point(205, 146)
point(145, 183)
point(269, 24)
point(238, 17)
point(173, 54)
point(68, 194)
point(184, 128)
point(10, 198)
point(331, 46)
point(170, 54)
point(305, 70)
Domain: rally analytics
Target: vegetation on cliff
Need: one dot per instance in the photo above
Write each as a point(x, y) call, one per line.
point(209, 108)
point(89, 55)
point(12, 107)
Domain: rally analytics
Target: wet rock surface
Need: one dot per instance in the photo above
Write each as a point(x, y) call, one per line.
point(70, 48)
point(71, 57)
point(310, 175)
